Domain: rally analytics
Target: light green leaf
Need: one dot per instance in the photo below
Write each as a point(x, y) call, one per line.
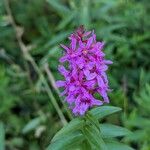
point(92, 134)
point(85, 145)
point(118, 146)
point(31, 125)
point(72, 126)
point(103, 111)
point(138, 135)
point(59, 7)
point(67, 142)
point(67, 19)
point(2, 136)
point(84, 13)
point(134, 122)
point(110, 131)
point(56, 39)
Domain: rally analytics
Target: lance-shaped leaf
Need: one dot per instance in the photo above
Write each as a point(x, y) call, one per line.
point(117, 146)
point(67, 142)
point(111, 131)
point(92, 134)
point(59, 7)
point(103, 111)
point(72, 126)
point(33, 124)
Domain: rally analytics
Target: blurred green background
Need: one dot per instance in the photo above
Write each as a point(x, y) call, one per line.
point(30, 34)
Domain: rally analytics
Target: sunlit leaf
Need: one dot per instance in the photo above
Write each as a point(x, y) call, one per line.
point(110, 131)
point(68, 141)
point(67, 19)
point(103, 111)
point(94, 138)
point(58, 6)
point(33, 124)
point(118, 146)
point(58, 38)
point(74, 125)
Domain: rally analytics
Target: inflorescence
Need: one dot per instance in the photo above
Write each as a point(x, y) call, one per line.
point(85, 72)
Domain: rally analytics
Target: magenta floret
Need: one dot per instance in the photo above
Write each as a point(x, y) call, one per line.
point(86, 73)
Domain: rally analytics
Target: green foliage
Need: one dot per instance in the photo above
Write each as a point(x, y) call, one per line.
point(104, 111)
point(74, 125)
point(87, 129)
point(139, 119)
point(8, 99)
point(26, 91)
point(110, 131)
point(33, 124)
point(119, 146)
point(2, 136)
point(69, 141)
point(143, 98)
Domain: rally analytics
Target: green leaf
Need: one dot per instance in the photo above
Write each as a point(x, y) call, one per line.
point(2, 136)
point(110, 131)
point(143, 98)
point(68, 141)
point(56, 39)
point(138, 135)
point(103, 111)
point(72, 126)
point(117, 146)
point(134, 119)
point(31, 125)
point(92, 134)
point(92, 120)
point(85, 145)
point(67, 19)
point(59, 7)
point(84, 13)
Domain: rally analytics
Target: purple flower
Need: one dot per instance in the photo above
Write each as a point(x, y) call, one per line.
point(85, 74)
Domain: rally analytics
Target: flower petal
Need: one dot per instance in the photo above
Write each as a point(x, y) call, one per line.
point(65, 47)
point(60, 83)
point(70, 99)
point(89, 42)
point(100, 81)
point(90, 65)
point(97, 102)
point(63, 71)
point(63, 59)
point(83, 108)
point(87, 33)
point(91, 76)
point(81, 45)
point(73, 43)
point(103, 93)
point(86, 72)
point(108, 62)
point(72, 88)
point(63, 93)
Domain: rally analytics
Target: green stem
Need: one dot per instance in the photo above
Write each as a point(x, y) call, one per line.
point(91, 131)
point(91, 118)
point(49, 92)
point(52, 82)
